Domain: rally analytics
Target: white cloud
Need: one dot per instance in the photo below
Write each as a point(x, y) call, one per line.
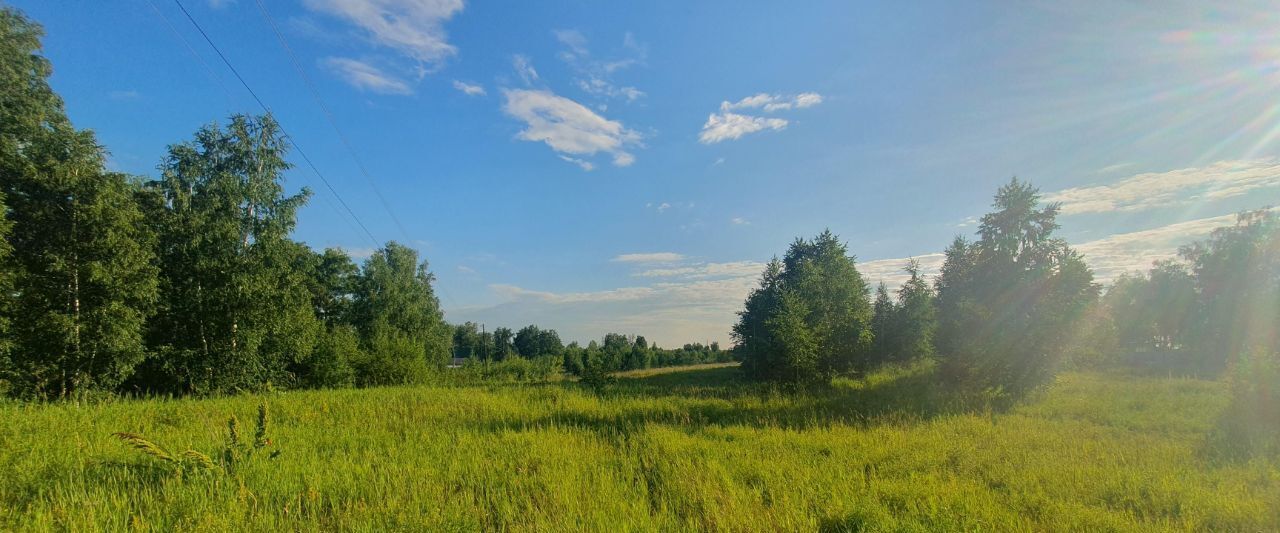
point(750, 102)
point(469, 89)
point(1108, 257)
point(706, 270)
point(366, 77)
point(773, 102)
point(524, 68)
point(653, 257)
point(585, 165)
point(569, 127)
point(1152, 190)
point(739, 221)
point(729, 126)
point(890, 271)
point(804, 100)
point(413, 28)
point(466, 270)
point(663, 207)
point(726, 125)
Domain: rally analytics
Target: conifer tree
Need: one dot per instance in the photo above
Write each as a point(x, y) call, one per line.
point(1007, 301)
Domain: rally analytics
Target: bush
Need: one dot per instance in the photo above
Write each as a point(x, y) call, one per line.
point(330, 363)
point(1251, 424)
point(392, 358)
point(513, 369)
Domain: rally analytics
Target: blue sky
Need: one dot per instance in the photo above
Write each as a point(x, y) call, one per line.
point(610, 166)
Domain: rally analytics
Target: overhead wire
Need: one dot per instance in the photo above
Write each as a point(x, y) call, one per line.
point(292, 140)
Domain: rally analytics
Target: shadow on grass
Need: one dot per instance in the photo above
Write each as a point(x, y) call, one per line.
point(723, 397)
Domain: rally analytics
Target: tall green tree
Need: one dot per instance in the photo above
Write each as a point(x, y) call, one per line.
point(331, 279)
point(883, 325)
point(1237, 273)
point(915, 318)
point(502, 344)
point(816, 277)
point(237, 310)
point(82, 265)
point(1008, 301)
point(399, 317)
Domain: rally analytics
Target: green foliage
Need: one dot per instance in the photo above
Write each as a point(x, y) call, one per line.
point(236, 309)
point(1008, 303)
point(191, 461)
point(330, 364)
point(596, 373)
point(509, 370)
point(399, 318)
point(502, 345)
point(77, 267)
point(817, 281)
point(532, 341)
point(903, 329)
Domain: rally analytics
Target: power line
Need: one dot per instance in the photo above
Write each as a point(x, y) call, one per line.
point(291, 139)
point(328, 115)
point(231, 99)
point(315, 95)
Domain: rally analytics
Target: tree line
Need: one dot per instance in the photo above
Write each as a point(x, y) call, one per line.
point(190, 282)
point(1011, 308)
point(614, 352)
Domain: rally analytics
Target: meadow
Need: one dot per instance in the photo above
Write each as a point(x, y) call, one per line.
point(693, 449)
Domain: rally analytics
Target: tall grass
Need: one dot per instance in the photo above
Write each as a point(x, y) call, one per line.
point(671, 451)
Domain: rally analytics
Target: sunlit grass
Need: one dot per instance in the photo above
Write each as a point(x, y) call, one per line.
point(673, 451)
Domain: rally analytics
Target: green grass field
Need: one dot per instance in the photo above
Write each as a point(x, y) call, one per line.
point(685, 450)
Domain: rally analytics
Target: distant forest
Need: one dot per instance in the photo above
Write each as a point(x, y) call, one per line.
point(190, 283)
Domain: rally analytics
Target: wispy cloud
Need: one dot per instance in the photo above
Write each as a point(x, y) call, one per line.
point(1108, 257)
point(585, 165)
point(569, 127)
point(695, 302)
point(469, 89)
point(612, 295)
point(652, 257)
point(773, 102)
point(366, 77)
point(739, 221)
point(524, 67)
point(725, 125)
point(594, 76)
point(1151, 190)
point(414, 28)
